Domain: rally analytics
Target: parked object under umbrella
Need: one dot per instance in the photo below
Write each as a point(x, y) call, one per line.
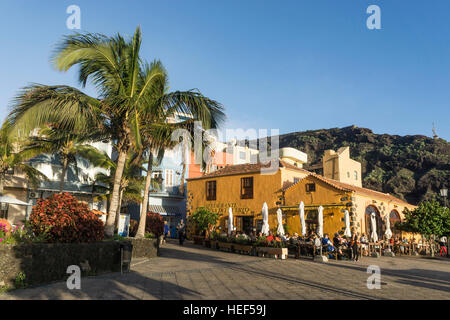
point(280, 229)
point(388, 232)
point(374, 235)
point(302, 218)
point(230, 221)
point(265, 215)
point(347, 231)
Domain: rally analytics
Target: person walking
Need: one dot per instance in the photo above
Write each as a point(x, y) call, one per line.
point(354, 247)
point(166, 231)
point(181, 228)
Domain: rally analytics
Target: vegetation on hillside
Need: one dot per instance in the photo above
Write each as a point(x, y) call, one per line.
point(412, 168)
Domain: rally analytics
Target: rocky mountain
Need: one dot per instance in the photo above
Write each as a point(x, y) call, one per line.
point(412, 168)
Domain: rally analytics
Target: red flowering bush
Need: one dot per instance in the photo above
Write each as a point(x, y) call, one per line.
point(154, 224)
point(65, 219)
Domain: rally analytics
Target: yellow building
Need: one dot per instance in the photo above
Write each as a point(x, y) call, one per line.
point(336, 197)
point(244, 188)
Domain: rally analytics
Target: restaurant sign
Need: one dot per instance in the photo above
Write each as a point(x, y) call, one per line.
point(222, 208)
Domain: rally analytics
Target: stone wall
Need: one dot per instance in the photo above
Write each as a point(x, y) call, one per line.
point(144, 248)
point(43, 262)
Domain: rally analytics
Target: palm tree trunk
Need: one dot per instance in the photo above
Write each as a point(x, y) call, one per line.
point(142, 221)
point(110, 221)
point(63, 175)
point(119, 206)
point(183, 173)
point(1, 184)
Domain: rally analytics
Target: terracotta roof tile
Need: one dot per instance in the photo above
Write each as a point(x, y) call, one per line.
point(244, 169)
point(348, 187)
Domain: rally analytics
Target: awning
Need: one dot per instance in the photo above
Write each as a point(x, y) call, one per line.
point(165, 210)
point(11, 200)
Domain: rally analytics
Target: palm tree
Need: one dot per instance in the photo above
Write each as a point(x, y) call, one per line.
point(10, 159)
point(68, 147)
point(126, 85)
point(162, 106)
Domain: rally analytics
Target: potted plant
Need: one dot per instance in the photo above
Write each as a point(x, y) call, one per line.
point(243, 245)
point(274, 248)
point(203, 219)
point(213, 239)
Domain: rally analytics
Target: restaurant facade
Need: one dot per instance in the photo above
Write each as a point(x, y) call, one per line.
point(245, 188)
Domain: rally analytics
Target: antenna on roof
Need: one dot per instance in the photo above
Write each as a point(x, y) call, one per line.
point(435, 136)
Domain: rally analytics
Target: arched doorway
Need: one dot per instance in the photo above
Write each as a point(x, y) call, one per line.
point(380, 223)
point(394, 217)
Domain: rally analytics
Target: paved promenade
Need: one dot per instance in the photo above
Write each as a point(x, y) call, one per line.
point(194, 272)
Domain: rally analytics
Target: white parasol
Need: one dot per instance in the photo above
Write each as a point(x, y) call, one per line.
point(265, 214)
point(374, 235)
point(230, 221)
point(320, 226)
point(388, 232)
point(302, 218)
point(347, 231)
point(280, 229)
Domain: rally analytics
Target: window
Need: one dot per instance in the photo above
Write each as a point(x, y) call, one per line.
point(247, 188)
point(242, 155)
point(310, 187)
point(210, 190)
point(348, 174)
point(169, 178)
point(356, 175)
point(296, 180)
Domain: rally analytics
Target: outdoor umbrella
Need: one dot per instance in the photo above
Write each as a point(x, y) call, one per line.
point(320, 226)
point(347, 231)
point(388, 232)
point(280, 229)
point(265, 214)
point(374, 235)
point(11, 200)
point(302, 218)
point(230, 221)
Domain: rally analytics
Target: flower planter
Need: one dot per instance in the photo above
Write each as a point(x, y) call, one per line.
point(225, 246)
point(243, 248)
point(207, 243)
point(214, 244)
point(198, 240)
point(277, 253)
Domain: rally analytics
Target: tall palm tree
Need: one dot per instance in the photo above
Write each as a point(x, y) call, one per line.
point(126, 85)
point(68, 147)
point(157, 126)
point(10, 159)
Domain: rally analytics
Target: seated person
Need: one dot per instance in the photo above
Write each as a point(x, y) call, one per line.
point(327, 242)
point(285, 237)
point(270, 237)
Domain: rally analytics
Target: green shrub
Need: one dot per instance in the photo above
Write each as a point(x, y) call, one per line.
point(149, 235)
point(203, 219)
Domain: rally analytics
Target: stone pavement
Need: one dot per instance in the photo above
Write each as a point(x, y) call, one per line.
point(195, 272)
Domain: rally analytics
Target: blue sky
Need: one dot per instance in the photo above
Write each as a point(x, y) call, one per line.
point(290, 65)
